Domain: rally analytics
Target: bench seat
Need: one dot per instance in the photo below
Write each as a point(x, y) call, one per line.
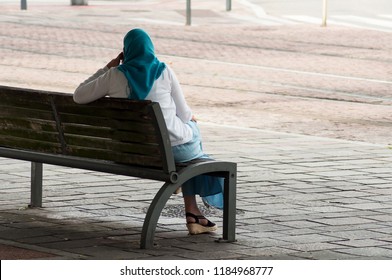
point(117, 136)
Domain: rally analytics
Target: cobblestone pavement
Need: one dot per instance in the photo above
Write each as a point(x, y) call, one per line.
point(305, 111)
point(332, 82)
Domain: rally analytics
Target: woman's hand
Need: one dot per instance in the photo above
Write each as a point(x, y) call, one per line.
point(194, 118)
point(116, 61)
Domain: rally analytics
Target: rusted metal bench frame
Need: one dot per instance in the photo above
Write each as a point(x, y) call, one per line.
point(171, 174)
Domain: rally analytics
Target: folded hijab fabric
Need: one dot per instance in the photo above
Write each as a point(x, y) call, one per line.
point(140, 66)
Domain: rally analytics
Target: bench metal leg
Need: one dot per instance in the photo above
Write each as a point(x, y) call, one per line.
point(229, 207)
point(163, 195)
point(153, 213)
point(36, 184)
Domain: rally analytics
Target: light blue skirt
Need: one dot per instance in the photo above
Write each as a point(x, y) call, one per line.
point(208, 187)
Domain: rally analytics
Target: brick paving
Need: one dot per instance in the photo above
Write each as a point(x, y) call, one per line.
point(314, 168)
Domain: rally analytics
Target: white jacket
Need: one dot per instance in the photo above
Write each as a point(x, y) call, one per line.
point(166, 91)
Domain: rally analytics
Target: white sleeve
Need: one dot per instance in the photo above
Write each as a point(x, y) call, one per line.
point(95, 87)
point(182, 109)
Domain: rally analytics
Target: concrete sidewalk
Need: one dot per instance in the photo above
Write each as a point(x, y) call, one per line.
point(299, 196)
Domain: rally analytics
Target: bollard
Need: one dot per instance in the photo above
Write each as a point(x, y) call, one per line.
point(79, 2)
point(325, 9)
point(188, 12)
point(23, 4)
point(228, 5)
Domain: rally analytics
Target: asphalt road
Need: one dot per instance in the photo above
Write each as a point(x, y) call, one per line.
point(332, 82)
point(335, 7)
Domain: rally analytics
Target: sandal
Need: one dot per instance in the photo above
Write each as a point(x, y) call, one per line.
point(178, 190)
point(197, 228)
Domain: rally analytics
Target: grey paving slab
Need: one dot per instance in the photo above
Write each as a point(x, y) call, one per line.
point(256, 228)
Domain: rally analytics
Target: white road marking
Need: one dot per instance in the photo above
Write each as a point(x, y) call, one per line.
point(278, 69)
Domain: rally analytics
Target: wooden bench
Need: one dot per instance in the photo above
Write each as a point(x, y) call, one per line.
point(117, 136)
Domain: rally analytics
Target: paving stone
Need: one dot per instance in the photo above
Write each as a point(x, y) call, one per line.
point(311, 238)
point(357, 234)
point(265, 252)
point(103, 252)
point(361, 243)
point(329, 255)
point(369, 252)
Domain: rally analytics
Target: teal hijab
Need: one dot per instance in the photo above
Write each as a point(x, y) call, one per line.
point(140, 65)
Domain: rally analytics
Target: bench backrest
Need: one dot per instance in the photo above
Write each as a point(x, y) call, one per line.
point(116, 130)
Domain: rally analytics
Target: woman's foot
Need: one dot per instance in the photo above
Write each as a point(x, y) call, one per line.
point(198, 224)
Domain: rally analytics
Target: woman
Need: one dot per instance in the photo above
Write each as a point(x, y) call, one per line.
point(136, 73)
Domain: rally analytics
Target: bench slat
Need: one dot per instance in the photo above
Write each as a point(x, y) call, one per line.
point(100, 112)
point(105, 122)
point(27, 134)
point(65, 100)
point(30, 144)
point(34, 124)
point(110, 144)
point(18, 99)
point(133, 159)
point(25, 113)
point(119, 135)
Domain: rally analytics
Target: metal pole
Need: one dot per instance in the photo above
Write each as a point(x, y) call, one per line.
point(36, 184)
point(23, 4)
point(79, 2)
point(325, 11)
point(228, 5)
point(188, 12)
